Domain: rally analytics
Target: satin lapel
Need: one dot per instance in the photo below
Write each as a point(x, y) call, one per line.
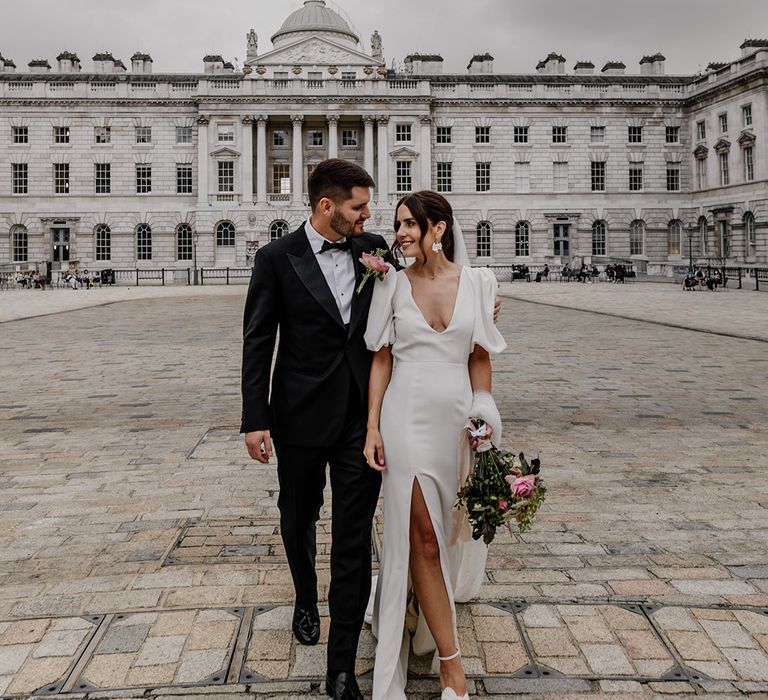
point(312, 278)
point(360, 302)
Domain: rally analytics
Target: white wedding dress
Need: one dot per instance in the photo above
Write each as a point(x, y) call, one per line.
point(425, 408)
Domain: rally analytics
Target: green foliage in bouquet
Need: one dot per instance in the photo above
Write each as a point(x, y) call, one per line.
point(501, 488)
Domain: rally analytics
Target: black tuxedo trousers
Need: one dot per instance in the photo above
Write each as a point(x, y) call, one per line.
point(316, 413)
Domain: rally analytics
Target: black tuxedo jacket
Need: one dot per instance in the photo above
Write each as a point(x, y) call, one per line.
point(320, 363)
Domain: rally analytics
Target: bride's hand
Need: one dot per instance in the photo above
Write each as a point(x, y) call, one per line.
point(374, 450)
point(474, 442)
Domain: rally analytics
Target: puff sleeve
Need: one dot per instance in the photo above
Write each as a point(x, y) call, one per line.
point(485, 333)
point(380, 330)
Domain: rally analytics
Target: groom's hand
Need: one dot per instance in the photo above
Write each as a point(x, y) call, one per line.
point(259, 445)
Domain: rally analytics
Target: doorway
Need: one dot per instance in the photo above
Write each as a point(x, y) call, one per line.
point(562, 240)
point(60, 241)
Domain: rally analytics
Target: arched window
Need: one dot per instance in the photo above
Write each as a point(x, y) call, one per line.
point(19, 244)
point(277, 229)
point(674, 236)
point(522, 238)
point(637, 237)
point(703, 240)
point(750, 233)
point(483, 247)
point(143, 242)
point(225, 233)
point(184, 242)
point(598, 238)
point(103, 242)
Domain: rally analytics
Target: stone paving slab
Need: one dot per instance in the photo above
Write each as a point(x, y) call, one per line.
point(39, 654)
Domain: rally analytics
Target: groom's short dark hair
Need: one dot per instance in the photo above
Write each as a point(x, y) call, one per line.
point(334, 178)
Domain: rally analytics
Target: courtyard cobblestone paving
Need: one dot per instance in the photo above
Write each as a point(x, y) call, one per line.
point(140, 552)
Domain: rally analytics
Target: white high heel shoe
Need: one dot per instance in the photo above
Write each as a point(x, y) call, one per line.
point(450, 693)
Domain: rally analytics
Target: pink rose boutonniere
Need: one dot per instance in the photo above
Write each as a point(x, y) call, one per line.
point(374, 266)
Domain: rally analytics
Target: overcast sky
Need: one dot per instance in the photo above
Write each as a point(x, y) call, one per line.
point(518, 33)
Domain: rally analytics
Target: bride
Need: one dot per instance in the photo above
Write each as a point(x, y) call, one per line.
point(431, 327)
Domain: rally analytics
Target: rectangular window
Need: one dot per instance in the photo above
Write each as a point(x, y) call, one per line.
point(746, 115)
point(635, 177)
point(701, 173)
point(725, 176)
point(403, 133)
point(348, 75)
point(559, 134)
point(226, 176)
point(61, 178)
point(143, 134)
point(672, 134)
point(61, 134)
point(482, 177)
point(183, 178)
point(279, 138)
point(281, 178)
point(701, 130)
point(520, 134)
point(183, 134)
point(103, 177)
point(444, 134)
point(225, 133)
point(20, 134)
point(349, 138)
point(482, 134)
point(673, 177)
point(403, 174)
point(635, 134)
point(21, 246)
point(102, 134)
point(143, 178)
point(597, 134)
point(722, 120)
point(314, 75)
point(314, 138)
point(598, 176)
point(560, 176)
point(749, 164)
point(523, 177)
point(20, 178)
point(444, 177)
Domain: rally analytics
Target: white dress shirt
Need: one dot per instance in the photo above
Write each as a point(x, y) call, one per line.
point(338, 268)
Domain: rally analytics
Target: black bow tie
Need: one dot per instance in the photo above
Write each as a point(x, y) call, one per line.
point(346, 244)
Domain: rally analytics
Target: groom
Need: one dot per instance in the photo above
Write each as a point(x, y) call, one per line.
point(304, 286)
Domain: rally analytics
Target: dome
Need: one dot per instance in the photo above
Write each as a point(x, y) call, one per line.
point(315, 17)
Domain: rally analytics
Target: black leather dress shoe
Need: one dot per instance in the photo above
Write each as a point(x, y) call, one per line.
point(306, 624)
point(342, 685)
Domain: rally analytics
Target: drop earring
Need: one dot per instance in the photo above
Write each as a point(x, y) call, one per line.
point(437, 247)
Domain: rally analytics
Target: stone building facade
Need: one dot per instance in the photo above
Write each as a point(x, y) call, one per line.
point(125, 167)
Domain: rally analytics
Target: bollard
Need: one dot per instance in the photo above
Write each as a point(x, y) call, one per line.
point(202, 269)
point(162, 273)
point(137, 276)
point(189, 277)
point(227, 276)
point(739, 278)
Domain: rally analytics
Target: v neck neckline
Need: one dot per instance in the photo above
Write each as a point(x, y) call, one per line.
point(421, 313)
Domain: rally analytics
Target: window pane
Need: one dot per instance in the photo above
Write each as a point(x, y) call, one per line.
point(483, 247)
point(103, 242)
point(482, 177)
point(444, 177)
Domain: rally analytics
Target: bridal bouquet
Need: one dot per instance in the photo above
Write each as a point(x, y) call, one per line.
point(501, 488)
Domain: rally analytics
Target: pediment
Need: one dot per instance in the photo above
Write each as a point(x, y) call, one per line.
point(225, 152)
point(700, 152)
point(747, 139)
point(313, 51)
point(404, 152)
point(722, 145)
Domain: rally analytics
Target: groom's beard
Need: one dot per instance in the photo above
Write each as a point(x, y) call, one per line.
point(341, 226)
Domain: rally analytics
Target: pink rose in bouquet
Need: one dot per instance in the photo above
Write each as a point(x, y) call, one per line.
point(522, 486)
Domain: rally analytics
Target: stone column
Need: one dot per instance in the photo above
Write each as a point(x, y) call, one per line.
point(202, 161)
point(298, 159)
point(246, 161)
point(368, 145)
point(382, 191)
point(261, 158)
point(425, 154)
point(333, 136)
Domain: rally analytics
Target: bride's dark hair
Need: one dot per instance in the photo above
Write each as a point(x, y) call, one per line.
point(427, 207)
